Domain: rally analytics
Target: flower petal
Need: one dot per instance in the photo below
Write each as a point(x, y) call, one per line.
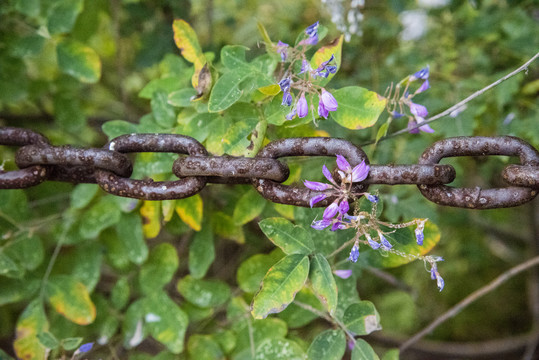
point(316, 199)
point(343, 164)
point(372, 198)
point(315, 185)
point(320, 224)
point(328, 100)
point(327, 174)
point(354, 253)
point(303, 108)
point(419, 236)
point(344, 207)
point(343, 274)
point(360, 172)
point(418, 110)
point(331, 211)
point(384, 241)
point(322, 111)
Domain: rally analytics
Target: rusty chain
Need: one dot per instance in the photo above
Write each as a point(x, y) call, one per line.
point(111, 169)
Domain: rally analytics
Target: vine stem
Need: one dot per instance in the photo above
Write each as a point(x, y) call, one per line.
point(470, 299)
point(459, 105)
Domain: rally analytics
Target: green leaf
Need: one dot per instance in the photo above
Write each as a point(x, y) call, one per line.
point(115, 128)
point(347, 294)
point(226, 90)
point(133, 329)
point(181, 98)
point(68, 113)
point(358, 108)
point(296, 316)
point(255, 333)
point(82, 195)
point(223, 225)
point(166, 322)
point(159, 269)
point(27, 7)
point(163, 112)
point(201, 252)
point(279, 349)
point(129, 230)
point(62, 15)
point(190, 211)
point(404, 241)
point(204, 293)
point(362, 318)
point(226, 339)
point(292, 239)
point(119, 295)
point(48, 340)
point(280, 285)
point(31, 322)
point(26, 250)
point(14, 290)
point(99, 217)
point(382, 131)
point(71, 343)
point(79, 61)
point(323, 282)
point(8, 267)
point(252, 270)
point(71, 299)
point(203, 347)
point(363, 351)
point(82, 263)
point(324, 54)
point(328, 345)
point(167, 84)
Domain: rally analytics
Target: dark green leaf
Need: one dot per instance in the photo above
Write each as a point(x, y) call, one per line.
point(115, 128)
point(159, 269)
point(119, 296)
point(363, 351)
point(99, 217)
point(362, 318)
point(63, 14)
point(129, 230)
point(204, 293)
point(328, 345)
point(203, 347)
point(201, 252)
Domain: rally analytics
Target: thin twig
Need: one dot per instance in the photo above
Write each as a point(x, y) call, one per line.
point(470, 299)
point(459, 105)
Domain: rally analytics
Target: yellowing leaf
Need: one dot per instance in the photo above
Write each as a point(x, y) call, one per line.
point(79, 61)
point(359, 108)
point(71, 299)
point(190, 211)
point(270, 90)
point(167, 206)
point(31, 322)
point(151, 224)
point(187, 41)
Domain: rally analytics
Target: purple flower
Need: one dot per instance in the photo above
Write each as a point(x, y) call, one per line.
point(435, 275)
point(287, 98)
point(354, 253)
point(291, 114)
point(303, 108)
point(338, 226)
point(84, 348)
point(327, 174)
point(373, 244)
point(372, 198)
point(322, 111)
point(423, 87)
point(284, 84)
point(343, 274)
point(360, 172)
point(344, 207)
point(418, 110)
point(419, 235)
point(325, 69)
point(305, 66)
point(412, 123)
point(421, 74)
point(320, 224)
point(312, 33)
point(384, 241)
point(331, 211)
point(328, 100)
point(396, 114)
point(282, 48)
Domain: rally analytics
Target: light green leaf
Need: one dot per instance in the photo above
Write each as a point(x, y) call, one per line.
point(226, 90)
point(82, 195)
point(71, 343)
point(223, 225)
point(392, 354)
point(362, 318)
point(181, 98)
point(119, 295)
point(358, 108)
point(165, 320)
point(403, 240)
point(129, 230)
point(280, 285)
point(292, 239)
point(296, 316)
point(159, 269)
point(133, 329)
point(363, 351)
point(203, 347)
point(255, 333)
point(8, 267)
point(163, 112)
point(328, 345)
point(115, 128)
point(252, 270)
point(68, 113)
point(167, 84)
point(71, 299)
point(79, 61)
point(31, 322)
point(99, 217)
point(279, 349)
point(204, 293)
point(382, 131)
point(201, 252)
point(248, 207)
point(323, 282)
point(48, 340)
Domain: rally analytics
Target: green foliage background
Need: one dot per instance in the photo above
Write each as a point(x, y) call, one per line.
point(82, 72)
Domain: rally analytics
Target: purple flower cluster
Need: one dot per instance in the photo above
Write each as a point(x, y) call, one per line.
point(418, 111)
point(300, 107)
point(435, 275)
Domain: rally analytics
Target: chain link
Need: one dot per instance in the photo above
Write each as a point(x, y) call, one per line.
point(111, 169)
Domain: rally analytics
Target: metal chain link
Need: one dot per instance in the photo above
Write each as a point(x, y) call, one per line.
point(110, 168)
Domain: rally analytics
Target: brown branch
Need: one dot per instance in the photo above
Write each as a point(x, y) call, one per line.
point(470, 299)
